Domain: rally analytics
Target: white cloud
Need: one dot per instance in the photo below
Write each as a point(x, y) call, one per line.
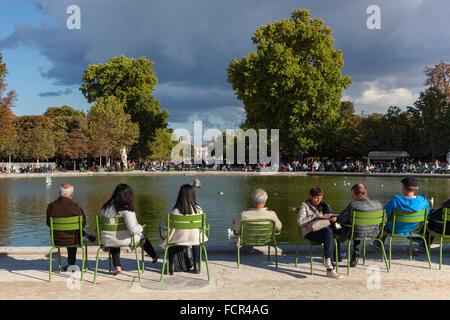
point(378, 95)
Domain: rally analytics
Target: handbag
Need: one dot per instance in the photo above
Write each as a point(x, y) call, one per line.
point(318, 224)
point(182, 259)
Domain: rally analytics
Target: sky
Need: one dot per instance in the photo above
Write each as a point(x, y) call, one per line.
point(192, 42)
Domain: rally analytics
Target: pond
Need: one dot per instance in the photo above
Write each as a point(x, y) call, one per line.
point(23, 201)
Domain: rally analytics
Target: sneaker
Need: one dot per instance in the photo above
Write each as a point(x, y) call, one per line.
point(65, 268)
point(329, 264)
point(333, 274)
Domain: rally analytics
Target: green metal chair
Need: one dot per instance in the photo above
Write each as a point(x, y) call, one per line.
point(186, 222)
point(409, 217)
point(366, 219)
point(441, 236)
point(116, 224)
point(311, 244)
point(66, 224)
point(258, 232)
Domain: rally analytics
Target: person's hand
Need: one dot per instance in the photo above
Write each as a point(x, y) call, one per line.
point(319, 215)
point(333, 219)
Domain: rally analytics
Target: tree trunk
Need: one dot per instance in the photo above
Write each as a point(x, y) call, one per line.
point(74, 165)
point(100, 161)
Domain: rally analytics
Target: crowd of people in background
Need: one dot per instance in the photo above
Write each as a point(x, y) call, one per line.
point(311, 165)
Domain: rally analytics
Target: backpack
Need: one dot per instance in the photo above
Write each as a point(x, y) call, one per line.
point(182, 259)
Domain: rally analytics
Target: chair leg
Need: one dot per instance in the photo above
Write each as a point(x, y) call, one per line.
point(410, 249)
point(82, 262)
point(383, 254)
point(239, 255)
point(364, 252)
point(337, 257)
point(427, 251)
point(59, 260)
point(348, 257)
point(268, 253)
point(276, 256)
point(206, 261)
point(50, 268)
point(142, 256)
point(200, 262)
point(440, 253)
point(390, 249)
point(86, 259)
point(96, 263)
point(109, 258)
point(296, 254)
point(164, 263)
point(138, 263)
point(311, 259)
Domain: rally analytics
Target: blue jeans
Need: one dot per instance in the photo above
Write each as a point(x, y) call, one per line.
point(326, 237)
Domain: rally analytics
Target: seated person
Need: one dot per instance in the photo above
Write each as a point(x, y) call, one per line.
point(362, 203)
point(65, 207)
point(315, 228)
point(121, 204)
point(437, 215)
point(408, 201)
point(186, 204)
point(260, 211)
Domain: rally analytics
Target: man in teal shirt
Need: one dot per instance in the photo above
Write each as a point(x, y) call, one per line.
point(408, 202)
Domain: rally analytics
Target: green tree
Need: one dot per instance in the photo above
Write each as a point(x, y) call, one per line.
point(132, 81)
point(110, 128)
point(8, 134)
point(64, 120)
point(439, 77)
point(431, 122)
point(292, 82)
point(162, 144)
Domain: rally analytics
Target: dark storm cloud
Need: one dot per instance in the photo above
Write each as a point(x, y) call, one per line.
point(56, 93)
point(193, 42)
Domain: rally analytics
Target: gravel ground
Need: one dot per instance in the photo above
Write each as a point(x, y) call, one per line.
point(25, 276)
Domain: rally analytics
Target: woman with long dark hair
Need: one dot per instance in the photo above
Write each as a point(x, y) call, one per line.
point(121, 204)
point(186, 204)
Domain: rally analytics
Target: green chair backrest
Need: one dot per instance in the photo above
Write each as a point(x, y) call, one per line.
point(408, 217)
point(444, 220)
point(257, 232)
point(362, 218)
point(65, 224)
point(186, 222)
point(111, 224)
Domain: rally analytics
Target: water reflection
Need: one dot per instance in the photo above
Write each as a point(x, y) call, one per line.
point(23, 201)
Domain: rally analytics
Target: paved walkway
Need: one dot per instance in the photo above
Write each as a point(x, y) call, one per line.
point(25, 276)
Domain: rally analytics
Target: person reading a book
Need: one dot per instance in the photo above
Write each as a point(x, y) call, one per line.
point(314, 217)
point(362, 203)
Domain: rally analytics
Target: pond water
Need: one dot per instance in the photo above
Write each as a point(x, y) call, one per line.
point(23, 201)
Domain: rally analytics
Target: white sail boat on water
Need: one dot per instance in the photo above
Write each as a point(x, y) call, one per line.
point(48, 180)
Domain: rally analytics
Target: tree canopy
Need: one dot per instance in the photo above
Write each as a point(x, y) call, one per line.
point(292, 82)
point(132, 82)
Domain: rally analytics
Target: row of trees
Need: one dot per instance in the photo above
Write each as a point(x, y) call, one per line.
point(293, 82)
point(116, 119)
